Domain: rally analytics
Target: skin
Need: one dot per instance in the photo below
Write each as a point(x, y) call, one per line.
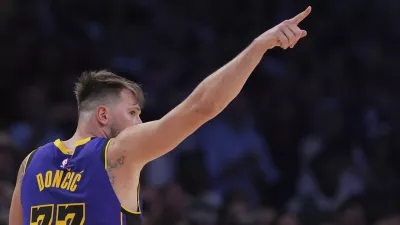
point(16, 213)
point(109, 121)
point(135, 143)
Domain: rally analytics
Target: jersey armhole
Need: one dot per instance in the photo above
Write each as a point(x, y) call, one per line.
point(104, 153)
point(29, 159)
point(138, 210)
point(130, 218)
point(126, 214)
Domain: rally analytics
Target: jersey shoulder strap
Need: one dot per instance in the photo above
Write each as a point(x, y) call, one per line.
point(104, 152)
point(29, 159)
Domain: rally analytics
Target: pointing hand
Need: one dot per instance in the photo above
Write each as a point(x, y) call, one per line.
point(285, 34)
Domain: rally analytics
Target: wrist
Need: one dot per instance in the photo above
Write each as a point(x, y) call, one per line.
point(261, 45)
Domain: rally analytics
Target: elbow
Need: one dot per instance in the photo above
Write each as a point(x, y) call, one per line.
point(206, 110)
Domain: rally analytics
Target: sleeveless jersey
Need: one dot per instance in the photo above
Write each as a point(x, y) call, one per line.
point(72, 189)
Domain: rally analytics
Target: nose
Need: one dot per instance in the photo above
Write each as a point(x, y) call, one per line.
point(138, 120)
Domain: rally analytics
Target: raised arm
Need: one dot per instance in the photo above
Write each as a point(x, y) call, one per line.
point(143, 143)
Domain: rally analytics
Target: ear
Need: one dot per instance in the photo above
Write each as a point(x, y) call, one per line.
point(103, 114)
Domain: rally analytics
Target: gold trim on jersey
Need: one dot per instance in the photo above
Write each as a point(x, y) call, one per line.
point(60, 145)
point(83, 141)
point(106, 154)
point(27, 160)
point(130, 211)
point(138, 188)
point(138, 203)
point(138, 198)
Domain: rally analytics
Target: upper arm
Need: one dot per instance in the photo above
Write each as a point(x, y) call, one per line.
point(142, 143)
point(16, 213)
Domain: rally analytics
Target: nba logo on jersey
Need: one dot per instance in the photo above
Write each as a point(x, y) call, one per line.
point(64, 163)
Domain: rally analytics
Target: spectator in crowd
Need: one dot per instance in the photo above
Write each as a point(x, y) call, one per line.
point(235, 152)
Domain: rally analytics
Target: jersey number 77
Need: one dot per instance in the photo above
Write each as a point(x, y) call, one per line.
point(66, 214)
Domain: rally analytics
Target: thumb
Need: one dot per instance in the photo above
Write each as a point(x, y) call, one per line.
point(303, 33)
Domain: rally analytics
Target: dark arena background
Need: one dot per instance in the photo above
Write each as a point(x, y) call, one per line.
point(313, 139)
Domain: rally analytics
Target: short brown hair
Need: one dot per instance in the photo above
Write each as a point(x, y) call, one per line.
point(95, 87)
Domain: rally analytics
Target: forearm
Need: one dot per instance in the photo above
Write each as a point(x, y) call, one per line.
point(220, 88)
point(145, 142)
point(207, 100)
point(216, 91)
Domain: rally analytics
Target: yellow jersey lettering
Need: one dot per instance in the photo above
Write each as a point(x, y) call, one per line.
point(70, 180)
point(39, 178)
point(65, 183)
point(57, 178)
point(74, 185)
point(49, 176)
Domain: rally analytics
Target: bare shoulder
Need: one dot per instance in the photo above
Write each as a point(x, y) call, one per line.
point(115, 159)
point(116, 163)
point(123, 175)
point(16, 213)
point(22, 168)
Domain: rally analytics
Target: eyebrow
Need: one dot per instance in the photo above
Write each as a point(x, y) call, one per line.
point(136, 107)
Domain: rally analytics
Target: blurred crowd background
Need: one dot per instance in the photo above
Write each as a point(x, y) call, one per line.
point(313, 139)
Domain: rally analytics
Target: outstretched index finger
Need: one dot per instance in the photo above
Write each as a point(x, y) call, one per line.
point(301, 16)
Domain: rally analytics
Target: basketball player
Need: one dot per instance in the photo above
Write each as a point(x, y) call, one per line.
point(93, 178)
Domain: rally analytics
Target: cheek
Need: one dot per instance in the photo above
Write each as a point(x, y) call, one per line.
point(130, 120)
point(121, 121)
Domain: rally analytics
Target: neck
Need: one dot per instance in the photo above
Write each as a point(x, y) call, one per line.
point(84, 130)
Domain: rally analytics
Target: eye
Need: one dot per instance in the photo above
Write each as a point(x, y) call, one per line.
point(132, 113)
